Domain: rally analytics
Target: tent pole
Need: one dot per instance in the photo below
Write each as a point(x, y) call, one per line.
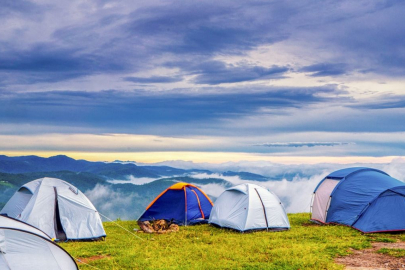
point(185, 212)
point(311, 204)
point(264, 210)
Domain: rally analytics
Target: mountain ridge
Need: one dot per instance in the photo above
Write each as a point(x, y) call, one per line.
point(29, 164)
point(126, 199)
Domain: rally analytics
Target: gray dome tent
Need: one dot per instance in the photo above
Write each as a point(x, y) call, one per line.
point(23, 246)
point(248, 207)
point(57, 208)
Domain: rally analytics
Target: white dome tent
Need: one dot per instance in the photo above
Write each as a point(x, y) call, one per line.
point(57, 208)
point(23, 246)
point(249, 207)
point(11, 223)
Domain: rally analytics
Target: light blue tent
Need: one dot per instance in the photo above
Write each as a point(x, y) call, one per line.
point(22, 247)
point(248, 207)
point(364, 198)
point(56, 207)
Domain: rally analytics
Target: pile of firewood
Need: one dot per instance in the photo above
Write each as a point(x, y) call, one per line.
point(158, 226)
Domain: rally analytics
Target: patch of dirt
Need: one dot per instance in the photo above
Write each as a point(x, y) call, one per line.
point(92, 258)
point(369, 259)
point(311, 224)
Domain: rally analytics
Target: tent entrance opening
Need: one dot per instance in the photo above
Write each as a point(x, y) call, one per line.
point(59, 232)
point(321, 200)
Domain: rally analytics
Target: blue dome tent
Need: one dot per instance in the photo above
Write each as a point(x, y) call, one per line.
point(367, 199)
point(385, 213)
point(182, 203)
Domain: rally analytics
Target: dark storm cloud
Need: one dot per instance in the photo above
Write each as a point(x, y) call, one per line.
point(302, 144)
point(366, 37)
point(201, 42)
point(217, 72)
point(207, 28)
point(372, 40)
point(153, 79)
point(126, 110)
point(326, 69)
point(112, 42)
point(44, 63)
point(42, 59)
point(12, 7)
point(380, 102)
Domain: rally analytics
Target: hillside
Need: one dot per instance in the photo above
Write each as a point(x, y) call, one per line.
point(305, 246)
point(130, 186)
point(9, 183)
point(130, 200)
point(27, 164)
point(108, 170)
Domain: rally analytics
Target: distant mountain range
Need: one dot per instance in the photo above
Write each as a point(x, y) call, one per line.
point(124, 200)
point(29, 164)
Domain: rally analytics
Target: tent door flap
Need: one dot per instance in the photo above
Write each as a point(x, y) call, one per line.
point(264, 209)
point(322, 199)
point(59, 232)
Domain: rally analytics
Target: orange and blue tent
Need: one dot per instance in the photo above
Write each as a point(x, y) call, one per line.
point(182, 203)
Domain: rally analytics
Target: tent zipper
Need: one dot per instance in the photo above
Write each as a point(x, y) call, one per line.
point(185, 200)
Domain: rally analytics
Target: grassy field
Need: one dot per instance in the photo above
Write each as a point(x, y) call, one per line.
point(305, 246)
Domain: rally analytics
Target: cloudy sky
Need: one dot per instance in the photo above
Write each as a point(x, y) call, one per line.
point(289, 81)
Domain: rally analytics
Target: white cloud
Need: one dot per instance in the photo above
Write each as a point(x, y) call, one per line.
point(396, 168)
point(133, 180)
point(104, 142)
point(265, 168)
point(213, 190)
point(111, 203)
point(294, 190)
point(295, 194)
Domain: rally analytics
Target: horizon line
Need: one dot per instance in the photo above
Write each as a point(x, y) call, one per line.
point(203, 157)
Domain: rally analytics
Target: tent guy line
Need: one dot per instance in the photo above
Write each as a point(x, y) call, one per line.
point(121, 226)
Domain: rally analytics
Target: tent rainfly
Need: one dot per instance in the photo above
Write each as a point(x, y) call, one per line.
point(57, 208)
point(23, 247)
point(366, 199)
point(248, 207)
point(182, 203)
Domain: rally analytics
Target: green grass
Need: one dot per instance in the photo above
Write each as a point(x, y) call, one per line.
point(395, 252)
point(384, 239)
point(305, 246)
